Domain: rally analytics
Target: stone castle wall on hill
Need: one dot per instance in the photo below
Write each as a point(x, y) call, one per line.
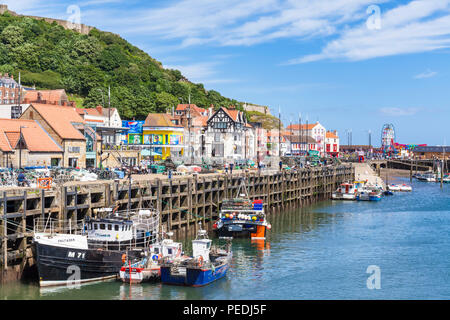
point(81, 28)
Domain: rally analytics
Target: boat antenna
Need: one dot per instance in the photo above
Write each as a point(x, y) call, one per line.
point(243, 187)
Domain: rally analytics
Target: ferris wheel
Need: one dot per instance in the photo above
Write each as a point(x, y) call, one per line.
point(387, 138)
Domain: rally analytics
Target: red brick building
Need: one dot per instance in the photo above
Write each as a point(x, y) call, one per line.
point(9, 89)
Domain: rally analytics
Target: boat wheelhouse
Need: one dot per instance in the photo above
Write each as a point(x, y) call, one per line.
point(346, 191)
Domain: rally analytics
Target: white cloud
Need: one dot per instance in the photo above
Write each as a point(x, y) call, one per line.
point(203, 72)
point(426, 74)
point(237, 22)
point(419, 26)
point(397, 112)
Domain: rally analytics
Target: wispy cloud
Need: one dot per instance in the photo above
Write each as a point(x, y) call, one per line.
point(418, 26)
point(398, 112)
point(426, 74)
point(203, 72)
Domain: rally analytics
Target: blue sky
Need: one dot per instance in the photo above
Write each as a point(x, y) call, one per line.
point(351, 64)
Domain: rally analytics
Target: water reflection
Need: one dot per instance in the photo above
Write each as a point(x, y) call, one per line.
point(321, 252)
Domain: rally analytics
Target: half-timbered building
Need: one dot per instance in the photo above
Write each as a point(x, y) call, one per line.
point(228, 136)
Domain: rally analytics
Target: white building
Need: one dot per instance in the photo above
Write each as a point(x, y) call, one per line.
point(229, 137)
point(315, 131)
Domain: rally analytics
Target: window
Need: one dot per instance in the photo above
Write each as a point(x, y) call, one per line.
point(102, 226)
point(169, 251)
point(156, 250)
point(116, 227)
point(109, 227)
point(95, 226)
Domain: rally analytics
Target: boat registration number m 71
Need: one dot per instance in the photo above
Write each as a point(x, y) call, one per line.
point(76, 255)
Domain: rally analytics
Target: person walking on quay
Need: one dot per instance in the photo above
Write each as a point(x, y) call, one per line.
point(226, 167)
point(259, 167)
point(281, 165)
point(231, 167)
point(21, 180)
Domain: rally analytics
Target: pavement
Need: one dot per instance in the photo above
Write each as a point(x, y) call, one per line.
point(363, 171)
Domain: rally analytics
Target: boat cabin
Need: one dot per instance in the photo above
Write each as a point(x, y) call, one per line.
point(110, 230)
point(201, 246)
point(346, 188)
point(166, 248)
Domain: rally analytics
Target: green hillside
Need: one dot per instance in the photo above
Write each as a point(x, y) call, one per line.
point(50, 57)
point(267, 121)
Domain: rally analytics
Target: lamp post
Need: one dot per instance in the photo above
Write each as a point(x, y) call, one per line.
point(20, 147)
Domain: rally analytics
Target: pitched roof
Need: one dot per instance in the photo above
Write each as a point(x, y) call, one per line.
point(331, 135)
point(49, 96)
point(160, 120)
point(35, 137)
point(182, 107)
point(4, 142)
point(61, 119)
point(105, 111)
point(89, 111)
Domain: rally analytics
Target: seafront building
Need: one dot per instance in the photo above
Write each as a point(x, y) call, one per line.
point(26, 143)
point(98, 137)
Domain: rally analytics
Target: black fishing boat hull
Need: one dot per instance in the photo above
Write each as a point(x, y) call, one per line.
point(69, 266)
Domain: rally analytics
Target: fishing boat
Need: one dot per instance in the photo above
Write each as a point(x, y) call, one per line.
point(93, 250)
point(241, 217)
point(208, 264)
point(148, 268)
point(345, 191)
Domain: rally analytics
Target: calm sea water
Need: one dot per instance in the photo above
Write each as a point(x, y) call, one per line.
point(322, 252)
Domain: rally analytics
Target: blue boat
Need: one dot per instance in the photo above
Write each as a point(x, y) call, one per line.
point(208, 264)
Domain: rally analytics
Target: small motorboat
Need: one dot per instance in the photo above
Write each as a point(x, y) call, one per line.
point(369, 194)
point(393, 187)
point(405, 188)
point(346, 191)
point(375, 195)
point(208, 264)
point(148, 268)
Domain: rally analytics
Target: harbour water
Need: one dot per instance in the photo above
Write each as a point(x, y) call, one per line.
point(320, 252)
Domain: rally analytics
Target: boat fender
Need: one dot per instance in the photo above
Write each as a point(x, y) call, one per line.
point(124, 258)
point(159, 256)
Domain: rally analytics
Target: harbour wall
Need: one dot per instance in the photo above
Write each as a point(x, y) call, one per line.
point(183, 202)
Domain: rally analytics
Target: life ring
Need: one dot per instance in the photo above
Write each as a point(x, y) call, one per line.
point(124, 258)
point(200, 261)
